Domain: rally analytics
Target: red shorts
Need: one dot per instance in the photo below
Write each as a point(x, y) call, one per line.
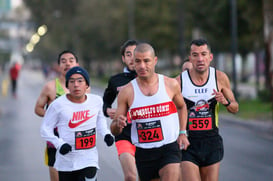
point(124, 146)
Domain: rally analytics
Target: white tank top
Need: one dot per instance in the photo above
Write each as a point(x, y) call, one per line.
point(154, 118)
point(201, 104)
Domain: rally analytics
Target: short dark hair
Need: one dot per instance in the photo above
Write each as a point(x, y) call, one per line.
point(126, 44)
point(64, 52)
point(145, 47)
point(200, 42)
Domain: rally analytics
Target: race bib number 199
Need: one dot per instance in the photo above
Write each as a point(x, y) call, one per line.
point(85, 139)
point(149, 132)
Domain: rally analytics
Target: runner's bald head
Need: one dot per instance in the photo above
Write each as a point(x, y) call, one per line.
point(145, 47)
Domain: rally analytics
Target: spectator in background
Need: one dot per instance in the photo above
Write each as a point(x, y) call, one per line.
point(14, 73)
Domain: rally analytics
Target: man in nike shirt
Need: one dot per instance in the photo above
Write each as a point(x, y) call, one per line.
point(51, 91)
point(79, 117)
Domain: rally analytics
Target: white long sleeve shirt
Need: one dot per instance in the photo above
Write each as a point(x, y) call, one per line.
point(78, 125)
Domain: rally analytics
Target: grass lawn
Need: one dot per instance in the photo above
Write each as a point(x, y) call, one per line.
point(253, 109)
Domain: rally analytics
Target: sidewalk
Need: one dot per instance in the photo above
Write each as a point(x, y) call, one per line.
point(260, 126)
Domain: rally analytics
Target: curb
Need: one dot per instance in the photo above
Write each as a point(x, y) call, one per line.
point(266, 126)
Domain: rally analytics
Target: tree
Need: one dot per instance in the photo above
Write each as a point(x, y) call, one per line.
point(268, 40)
point(96, 29)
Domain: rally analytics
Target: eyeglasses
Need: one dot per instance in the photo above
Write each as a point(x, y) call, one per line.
point(78, 80)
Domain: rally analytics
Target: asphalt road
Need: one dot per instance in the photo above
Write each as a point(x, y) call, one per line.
point(248, 148)
point(248, 152)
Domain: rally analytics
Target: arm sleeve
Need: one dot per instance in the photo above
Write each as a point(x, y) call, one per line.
point(50, 121)
point(109, 96)
point(101, 123)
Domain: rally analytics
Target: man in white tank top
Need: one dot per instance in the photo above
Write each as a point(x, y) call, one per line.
point(159, 118)
point(203, 88)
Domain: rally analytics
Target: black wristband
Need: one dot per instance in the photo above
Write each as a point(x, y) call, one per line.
point(227, 103)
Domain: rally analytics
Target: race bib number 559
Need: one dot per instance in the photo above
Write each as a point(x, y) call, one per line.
point(200, 124)
point(149, 132)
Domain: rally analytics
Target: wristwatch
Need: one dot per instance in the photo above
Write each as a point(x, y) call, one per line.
point(227, 103)
point(183, 132)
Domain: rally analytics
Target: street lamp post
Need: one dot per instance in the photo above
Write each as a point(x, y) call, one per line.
point(181, 29)
point(131, 19)
point(234, 43)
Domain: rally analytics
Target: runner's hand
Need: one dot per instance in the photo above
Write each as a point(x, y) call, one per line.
point(121, 121)
point(109, 140)
point(183, 142)
point(219, 97)
point(111, 112)
point(65, 148)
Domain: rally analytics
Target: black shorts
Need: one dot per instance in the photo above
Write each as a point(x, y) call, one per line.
point(78, 175)
point(150, 161)
point(204, 151)
point(50, 155)
point(50, 151)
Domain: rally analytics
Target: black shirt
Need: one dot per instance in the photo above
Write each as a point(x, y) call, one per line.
point(115, 83)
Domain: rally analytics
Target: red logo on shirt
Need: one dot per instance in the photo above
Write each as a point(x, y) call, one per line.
point(151, 111)
point(79, 118)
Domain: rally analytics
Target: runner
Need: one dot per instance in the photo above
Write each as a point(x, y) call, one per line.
point(186, 65)
point(78, 117)
point(203, 88)
point(52, 90)
point(125, 148)
point(158, 112)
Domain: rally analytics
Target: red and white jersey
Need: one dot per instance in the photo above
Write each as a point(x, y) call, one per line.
point(78, 125)
point(154, 118)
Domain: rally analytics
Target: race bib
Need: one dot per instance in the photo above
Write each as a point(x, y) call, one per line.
point(149, 132)
point(85, 139)
point(200, 124)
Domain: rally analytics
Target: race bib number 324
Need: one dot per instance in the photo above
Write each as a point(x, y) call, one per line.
point(149, 132)
point(85, 139)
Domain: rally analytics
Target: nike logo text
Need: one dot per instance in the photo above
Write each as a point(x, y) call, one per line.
point(79, 118)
